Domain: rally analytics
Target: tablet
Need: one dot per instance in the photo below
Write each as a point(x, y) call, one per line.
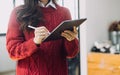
point(65, 25)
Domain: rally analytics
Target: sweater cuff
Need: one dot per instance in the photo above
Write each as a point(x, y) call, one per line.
point(31, 46)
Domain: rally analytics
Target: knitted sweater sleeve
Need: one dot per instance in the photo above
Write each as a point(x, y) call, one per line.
point(16, 45)
point(71, 47)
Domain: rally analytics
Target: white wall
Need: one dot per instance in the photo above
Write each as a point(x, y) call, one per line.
point(83, 43)
point(6, 64)
point(100, 13)
point(6, 7)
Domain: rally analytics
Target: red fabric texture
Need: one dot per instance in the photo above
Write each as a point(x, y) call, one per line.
point(47, 59)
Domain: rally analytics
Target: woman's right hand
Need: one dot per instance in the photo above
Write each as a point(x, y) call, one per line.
point(40, 33)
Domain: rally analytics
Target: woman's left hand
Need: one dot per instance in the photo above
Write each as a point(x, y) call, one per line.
point(70, 35)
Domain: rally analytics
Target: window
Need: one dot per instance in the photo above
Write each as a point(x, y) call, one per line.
point(6, 7)
point(72, 5)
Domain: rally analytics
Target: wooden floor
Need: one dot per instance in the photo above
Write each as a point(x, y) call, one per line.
point(8, 73)
point(13, 73)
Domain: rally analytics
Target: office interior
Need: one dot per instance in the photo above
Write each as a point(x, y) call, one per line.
point(99, 55)
point(8, 66)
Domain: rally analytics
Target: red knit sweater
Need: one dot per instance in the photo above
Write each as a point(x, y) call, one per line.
point(47, 59)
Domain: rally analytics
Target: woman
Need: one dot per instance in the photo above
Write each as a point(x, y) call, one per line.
point(25, 45)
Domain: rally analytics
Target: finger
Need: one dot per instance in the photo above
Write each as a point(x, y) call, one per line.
point(70, 33)
point(41, 37)
point(41, 32)
point(68, 37)
point(42, 28)
point(65, 35)
point(75, 30)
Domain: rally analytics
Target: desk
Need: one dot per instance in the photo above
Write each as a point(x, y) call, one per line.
point(103, 64)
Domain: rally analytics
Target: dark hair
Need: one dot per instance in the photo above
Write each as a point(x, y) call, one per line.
point(30, 13)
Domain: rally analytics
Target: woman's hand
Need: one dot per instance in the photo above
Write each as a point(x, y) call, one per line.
point(40, 33)
point(70, 35)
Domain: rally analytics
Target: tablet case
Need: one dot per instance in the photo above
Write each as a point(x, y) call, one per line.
point(65, 25)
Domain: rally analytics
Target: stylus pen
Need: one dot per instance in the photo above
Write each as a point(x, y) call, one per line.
point(31, 27)
point(34, 27)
